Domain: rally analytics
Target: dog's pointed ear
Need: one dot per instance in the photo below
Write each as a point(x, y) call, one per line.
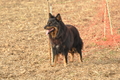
point(51, 16)
point(58, 17)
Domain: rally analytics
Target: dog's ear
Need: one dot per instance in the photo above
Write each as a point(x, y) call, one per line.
point(58, 17)
point(51, 16)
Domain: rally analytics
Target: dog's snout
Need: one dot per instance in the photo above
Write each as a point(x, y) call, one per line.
point(44, 27)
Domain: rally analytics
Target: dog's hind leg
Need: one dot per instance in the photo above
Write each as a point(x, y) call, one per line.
point(72, 57)
point(80, 59)
point(80, 54)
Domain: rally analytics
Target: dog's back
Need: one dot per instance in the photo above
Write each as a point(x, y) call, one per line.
point(76, 36)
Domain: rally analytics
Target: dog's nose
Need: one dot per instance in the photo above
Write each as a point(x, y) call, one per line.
point(44, 27)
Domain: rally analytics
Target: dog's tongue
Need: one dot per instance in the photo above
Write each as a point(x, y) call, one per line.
point(48, 31)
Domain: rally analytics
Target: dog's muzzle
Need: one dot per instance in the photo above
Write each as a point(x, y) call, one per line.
point(49, 29)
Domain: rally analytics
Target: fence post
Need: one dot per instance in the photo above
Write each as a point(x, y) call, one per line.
point(50, 49)
point(109, 16)
point(49, 7)
point(105, 21)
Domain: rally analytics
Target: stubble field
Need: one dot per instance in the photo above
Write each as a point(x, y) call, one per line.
point(24, 44)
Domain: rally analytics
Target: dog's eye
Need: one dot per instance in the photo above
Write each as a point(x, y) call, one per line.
point(49, 23)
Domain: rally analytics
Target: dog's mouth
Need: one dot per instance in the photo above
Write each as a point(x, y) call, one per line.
point(50, 30)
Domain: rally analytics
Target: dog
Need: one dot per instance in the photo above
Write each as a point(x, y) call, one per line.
point(63, 39)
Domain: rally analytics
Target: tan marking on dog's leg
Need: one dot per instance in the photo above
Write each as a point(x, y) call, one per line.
point(65, 64)
point(55, 61)
point(56, 58)
point(80, 60)
point(72, 57)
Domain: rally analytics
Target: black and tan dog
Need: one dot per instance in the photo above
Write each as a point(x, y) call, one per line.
point(63, 39)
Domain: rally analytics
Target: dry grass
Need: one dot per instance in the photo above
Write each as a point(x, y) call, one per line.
point(23, 43)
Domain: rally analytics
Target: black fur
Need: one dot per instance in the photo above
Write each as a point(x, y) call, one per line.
point(63, 38)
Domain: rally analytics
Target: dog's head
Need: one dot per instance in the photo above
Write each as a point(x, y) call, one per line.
point(53, 25)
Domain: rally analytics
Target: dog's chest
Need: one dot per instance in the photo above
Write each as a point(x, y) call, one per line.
point(56, 41)
point(58, 48)
point(57, 45)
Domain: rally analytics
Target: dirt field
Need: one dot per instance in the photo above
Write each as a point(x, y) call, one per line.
point(24, 44)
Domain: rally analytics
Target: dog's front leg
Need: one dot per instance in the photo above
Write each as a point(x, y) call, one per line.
point(65, 54)
point(55, 57)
